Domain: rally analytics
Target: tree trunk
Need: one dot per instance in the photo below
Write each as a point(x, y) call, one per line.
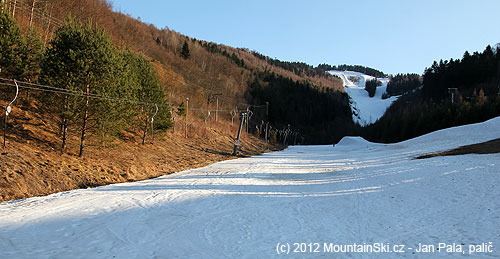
point(84, 122)
point(48, 27)
point(145, 131)
point(103, 136)
point(64, 126)
point(31, 16)
point(64, 131)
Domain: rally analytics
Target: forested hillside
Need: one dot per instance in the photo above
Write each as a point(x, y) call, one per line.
point(403, 83)
point(454, 92)
point(207, 73)
point(96, 86)
point(318, 116)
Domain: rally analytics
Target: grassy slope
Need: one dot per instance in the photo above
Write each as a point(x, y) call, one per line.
point(34, 165)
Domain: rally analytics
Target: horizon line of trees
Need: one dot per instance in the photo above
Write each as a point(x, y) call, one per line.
point(481, 70)
point(355, 68)
point(474, 83)
point(403, 83)
point(301, 68)
point(298, 68)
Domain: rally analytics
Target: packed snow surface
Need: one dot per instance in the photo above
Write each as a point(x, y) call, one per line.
point(305, 196)
point(366, 109)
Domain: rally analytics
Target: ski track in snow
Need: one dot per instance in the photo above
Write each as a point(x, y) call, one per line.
point(355, 192)
point(366, 110)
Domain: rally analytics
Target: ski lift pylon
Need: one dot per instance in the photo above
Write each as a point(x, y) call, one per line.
point(152, 125)
point(8, 110)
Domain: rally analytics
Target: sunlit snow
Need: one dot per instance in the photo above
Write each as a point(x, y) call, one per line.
point(355, 192)
point(366, 110)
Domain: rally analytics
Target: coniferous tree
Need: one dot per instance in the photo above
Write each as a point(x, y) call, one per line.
point(149, 91)
point(181, 110)
point(11, 48)
point(185, 50)
point(32, 54)
point(371, 87)
point(80, 59)
point(112, 117)
point(403, 83)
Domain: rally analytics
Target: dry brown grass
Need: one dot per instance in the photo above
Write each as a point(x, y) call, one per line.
point(34, 165)
point(489, 147)
point(199, 77)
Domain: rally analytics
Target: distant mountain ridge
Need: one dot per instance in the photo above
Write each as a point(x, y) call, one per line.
point(354, 68)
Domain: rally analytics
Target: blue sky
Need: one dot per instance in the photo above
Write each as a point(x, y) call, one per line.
point(395, 36)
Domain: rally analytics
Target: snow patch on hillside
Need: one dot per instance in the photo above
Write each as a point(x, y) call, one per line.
point(366, 110)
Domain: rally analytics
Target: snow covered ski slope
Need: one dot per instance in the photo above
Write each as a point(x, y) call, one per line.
point(366, 110)
point(314, 198)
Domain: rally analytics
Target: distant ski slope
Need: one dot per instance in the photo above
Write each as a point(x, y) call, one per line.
point(356, 192)
point(366, 110)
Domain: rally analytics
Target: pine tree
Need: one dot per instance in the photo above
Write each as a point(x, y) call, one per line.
point(181, 110)
point(149, 91)
point(185, 50)
point(371, 87)
point(81, 59)
point(11, 48)
point(31, 57)
point(19, 56)
point(112, 117)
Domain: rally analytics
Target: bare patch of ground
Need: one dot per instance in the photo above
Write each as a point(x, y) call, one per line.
point(489, 147)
